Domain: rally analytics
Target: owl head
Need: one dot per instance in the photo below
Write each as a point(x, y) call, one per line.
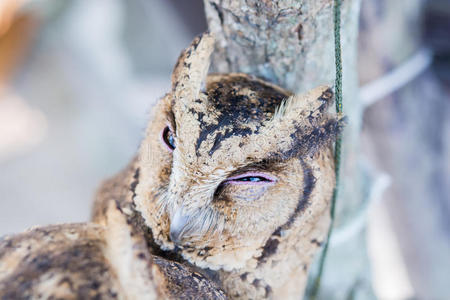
point(232, 166)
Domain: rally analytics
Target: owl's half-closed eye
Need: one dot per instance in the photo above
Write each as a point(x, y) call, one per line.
point(251, 178)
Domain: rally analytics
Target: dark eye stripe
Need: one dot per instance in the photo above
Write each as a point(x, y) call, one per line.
point(168, 138)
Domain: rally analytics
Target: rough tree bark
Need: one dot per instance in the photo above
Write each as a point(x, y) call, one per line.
point(290, 43)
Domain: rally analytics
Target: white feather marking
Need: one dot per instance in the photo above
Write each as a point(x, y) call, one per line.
point(287, 105)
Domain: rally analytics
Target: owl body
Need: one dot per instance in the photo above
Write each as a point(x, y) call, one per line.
point(231, 187)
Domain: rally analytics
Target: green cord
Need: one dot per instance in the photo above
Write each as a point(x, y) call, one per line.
point(337, 149)
point(337, 53)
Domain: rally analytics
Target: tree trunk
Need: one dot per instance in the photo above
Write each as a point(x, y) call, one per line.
point(290, 43)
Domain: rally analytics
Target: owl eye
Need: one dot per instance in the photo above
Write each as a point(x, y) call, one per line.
point(251, 178)
point(168, 138)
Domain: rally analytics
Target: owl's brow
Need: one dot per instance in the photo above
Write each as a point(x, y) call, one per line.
point(308, 143)
point(266, 164)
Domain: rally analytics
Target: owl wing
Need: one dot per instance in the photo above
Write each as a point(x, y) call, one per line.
point(91, 261)
point(62, 261)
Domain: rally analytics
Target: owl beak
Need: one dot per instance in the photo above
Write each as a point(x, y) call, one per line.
point(177, 226)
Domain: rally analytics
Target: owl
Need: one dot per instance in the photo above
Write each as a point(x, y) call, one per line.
point(228, 196)
point(235, 177)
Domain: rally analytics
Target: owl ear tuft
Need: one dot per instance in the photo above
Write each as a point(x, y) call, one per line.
point(314, 103)
point(192, 67)
point(305, 122)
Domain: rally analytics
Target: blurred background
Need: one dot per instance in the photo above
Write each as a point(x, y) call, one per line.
point(78, 78)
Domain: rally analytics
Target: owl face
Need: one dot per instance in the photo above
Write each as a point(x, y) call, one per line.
point(227, 168)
